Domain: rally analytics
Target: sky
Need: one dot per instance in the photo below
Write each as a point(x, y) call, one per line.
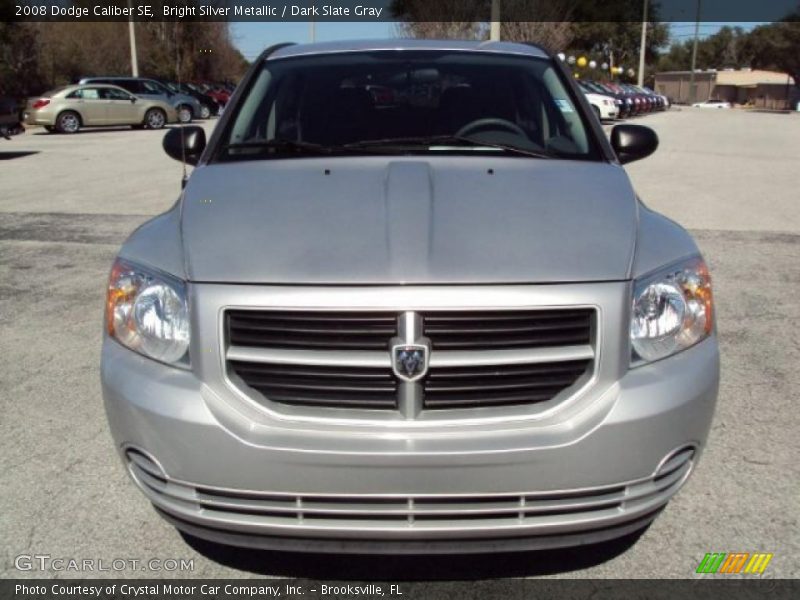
point(253, 37)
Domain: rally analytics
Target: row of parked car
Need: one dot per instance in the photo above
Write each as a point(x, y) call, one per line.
point(135, 101)
point(621, 100)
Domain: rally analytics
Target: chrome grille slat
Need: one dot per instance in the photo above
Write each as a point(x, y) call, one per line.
point(519, 328)
point(311, 329)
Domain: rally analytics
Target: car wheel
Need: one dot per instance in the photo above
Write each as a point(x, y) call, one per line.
point(597, 112)
point(68, 122)
point(205, 112)
point(184, 114)
point(155, 118)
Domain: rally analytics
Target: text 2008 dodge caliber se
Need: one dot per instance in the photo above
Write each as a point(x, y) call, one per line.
point(408, 301)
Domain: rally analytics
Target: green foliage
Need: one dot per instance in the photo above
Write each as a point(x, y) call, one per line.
point(35, 57)
point(777, 46)
point(728, 48)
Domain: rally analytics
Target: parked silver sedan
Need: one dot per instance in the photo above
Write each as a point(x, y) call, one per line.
point(68, 109)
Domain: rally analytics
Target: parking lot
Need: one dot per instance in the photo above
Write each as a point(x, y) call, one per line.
point(67, 202)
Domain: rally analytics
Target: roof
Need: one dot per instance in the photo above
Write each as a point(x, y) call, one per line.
point(740, 78)
point(746, 78)
point(407, 44)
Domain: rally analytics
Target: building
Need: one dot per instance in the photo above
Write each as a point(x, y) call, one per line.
point(760, 89)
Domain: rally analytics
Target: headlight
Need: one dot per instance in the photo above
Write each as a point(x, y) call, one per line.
point(672, 310)
point(148, 313)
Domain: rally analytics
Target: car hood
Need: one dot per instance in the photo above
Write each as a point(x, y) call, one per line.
point(376, 220)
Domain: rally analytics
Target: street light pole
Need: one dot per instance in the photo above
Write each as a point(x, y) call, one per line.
point(692, 90)
point(640, 80)
point(494, 30)
point(312, 27)
point(132, 36)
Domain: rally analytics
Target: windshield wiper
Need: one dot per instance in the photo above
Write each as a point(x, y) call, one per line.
point(279, 144)
point(449, 140)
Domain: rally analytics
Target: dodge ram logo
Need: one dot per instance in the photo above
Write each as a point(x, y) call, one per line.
point(410, 362)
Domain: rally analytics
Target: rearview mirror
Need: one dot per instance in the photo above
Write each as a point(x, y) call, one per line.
point(133, 99)
point(185, 143)
point(633, 142)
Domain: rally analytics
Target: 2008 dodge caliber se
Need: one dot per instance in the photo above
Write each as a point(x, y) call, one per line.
point(408, 301)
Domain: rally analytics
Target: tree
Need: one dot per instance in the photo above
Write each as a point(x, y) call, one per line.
point(423, 19)
point(545, 22)
point(618, 42)
point(728, 48)
point(777, 46)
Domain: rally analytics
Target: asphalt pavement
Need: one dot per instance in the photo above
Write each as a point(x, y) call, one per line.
point(67, 202)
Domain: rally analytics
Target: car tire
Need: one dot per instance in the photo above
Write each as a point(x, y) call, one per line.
point(155, 118)
point(184, 114)
point(68, 122)
point(597, 113)
point(205, 112)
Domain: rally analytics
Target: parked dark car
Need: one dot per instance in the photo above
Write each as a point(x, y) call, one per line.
point(625, 103)
point(10, 122)
point(208, 106)
point(218, 93)
point(186, 106)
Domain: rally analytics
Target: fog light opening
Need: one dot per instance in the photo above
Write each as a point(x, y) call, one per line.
point(138, 458)
point(674, 461)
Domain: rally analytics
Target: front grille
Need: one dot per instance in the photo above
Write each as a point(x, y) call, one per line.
point(311, 329)
point(460, 330)
point(343, 359)
point(311, 385)
point(499, 385)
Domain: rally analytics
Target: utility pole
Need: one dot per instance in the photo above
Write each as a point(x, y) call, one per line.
point(132, 36)
point(494, 31)
point(640, 80)
point(312, 27)
point(692, 89)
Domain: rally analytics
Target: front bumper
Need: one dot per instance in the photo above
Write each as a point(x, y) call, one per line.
point(599, 473)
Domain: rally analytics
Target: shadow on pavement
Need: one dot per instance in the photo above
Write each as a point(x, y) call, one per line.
point(96, 130)
point(456, 567)
point(20, 154)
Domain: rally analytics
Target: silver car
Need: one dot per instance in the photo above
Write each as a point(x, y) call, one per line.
point(435, 318)
point(72, 107)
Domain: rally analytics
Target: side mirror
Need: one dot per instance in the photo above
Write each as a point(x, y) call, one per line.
point(133, 99)
point(185, 143)
point(632, 142)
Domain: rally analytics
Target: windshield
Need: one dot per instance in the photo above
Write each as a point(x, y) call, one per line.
point(407, 102)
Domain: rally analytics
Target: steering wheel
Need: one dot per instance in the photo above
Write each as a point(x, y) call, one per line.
point(479, 124)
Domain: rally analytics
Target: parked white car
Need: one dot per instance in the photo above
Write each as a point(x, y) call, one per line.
point(605, 107)
point(712, 104)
